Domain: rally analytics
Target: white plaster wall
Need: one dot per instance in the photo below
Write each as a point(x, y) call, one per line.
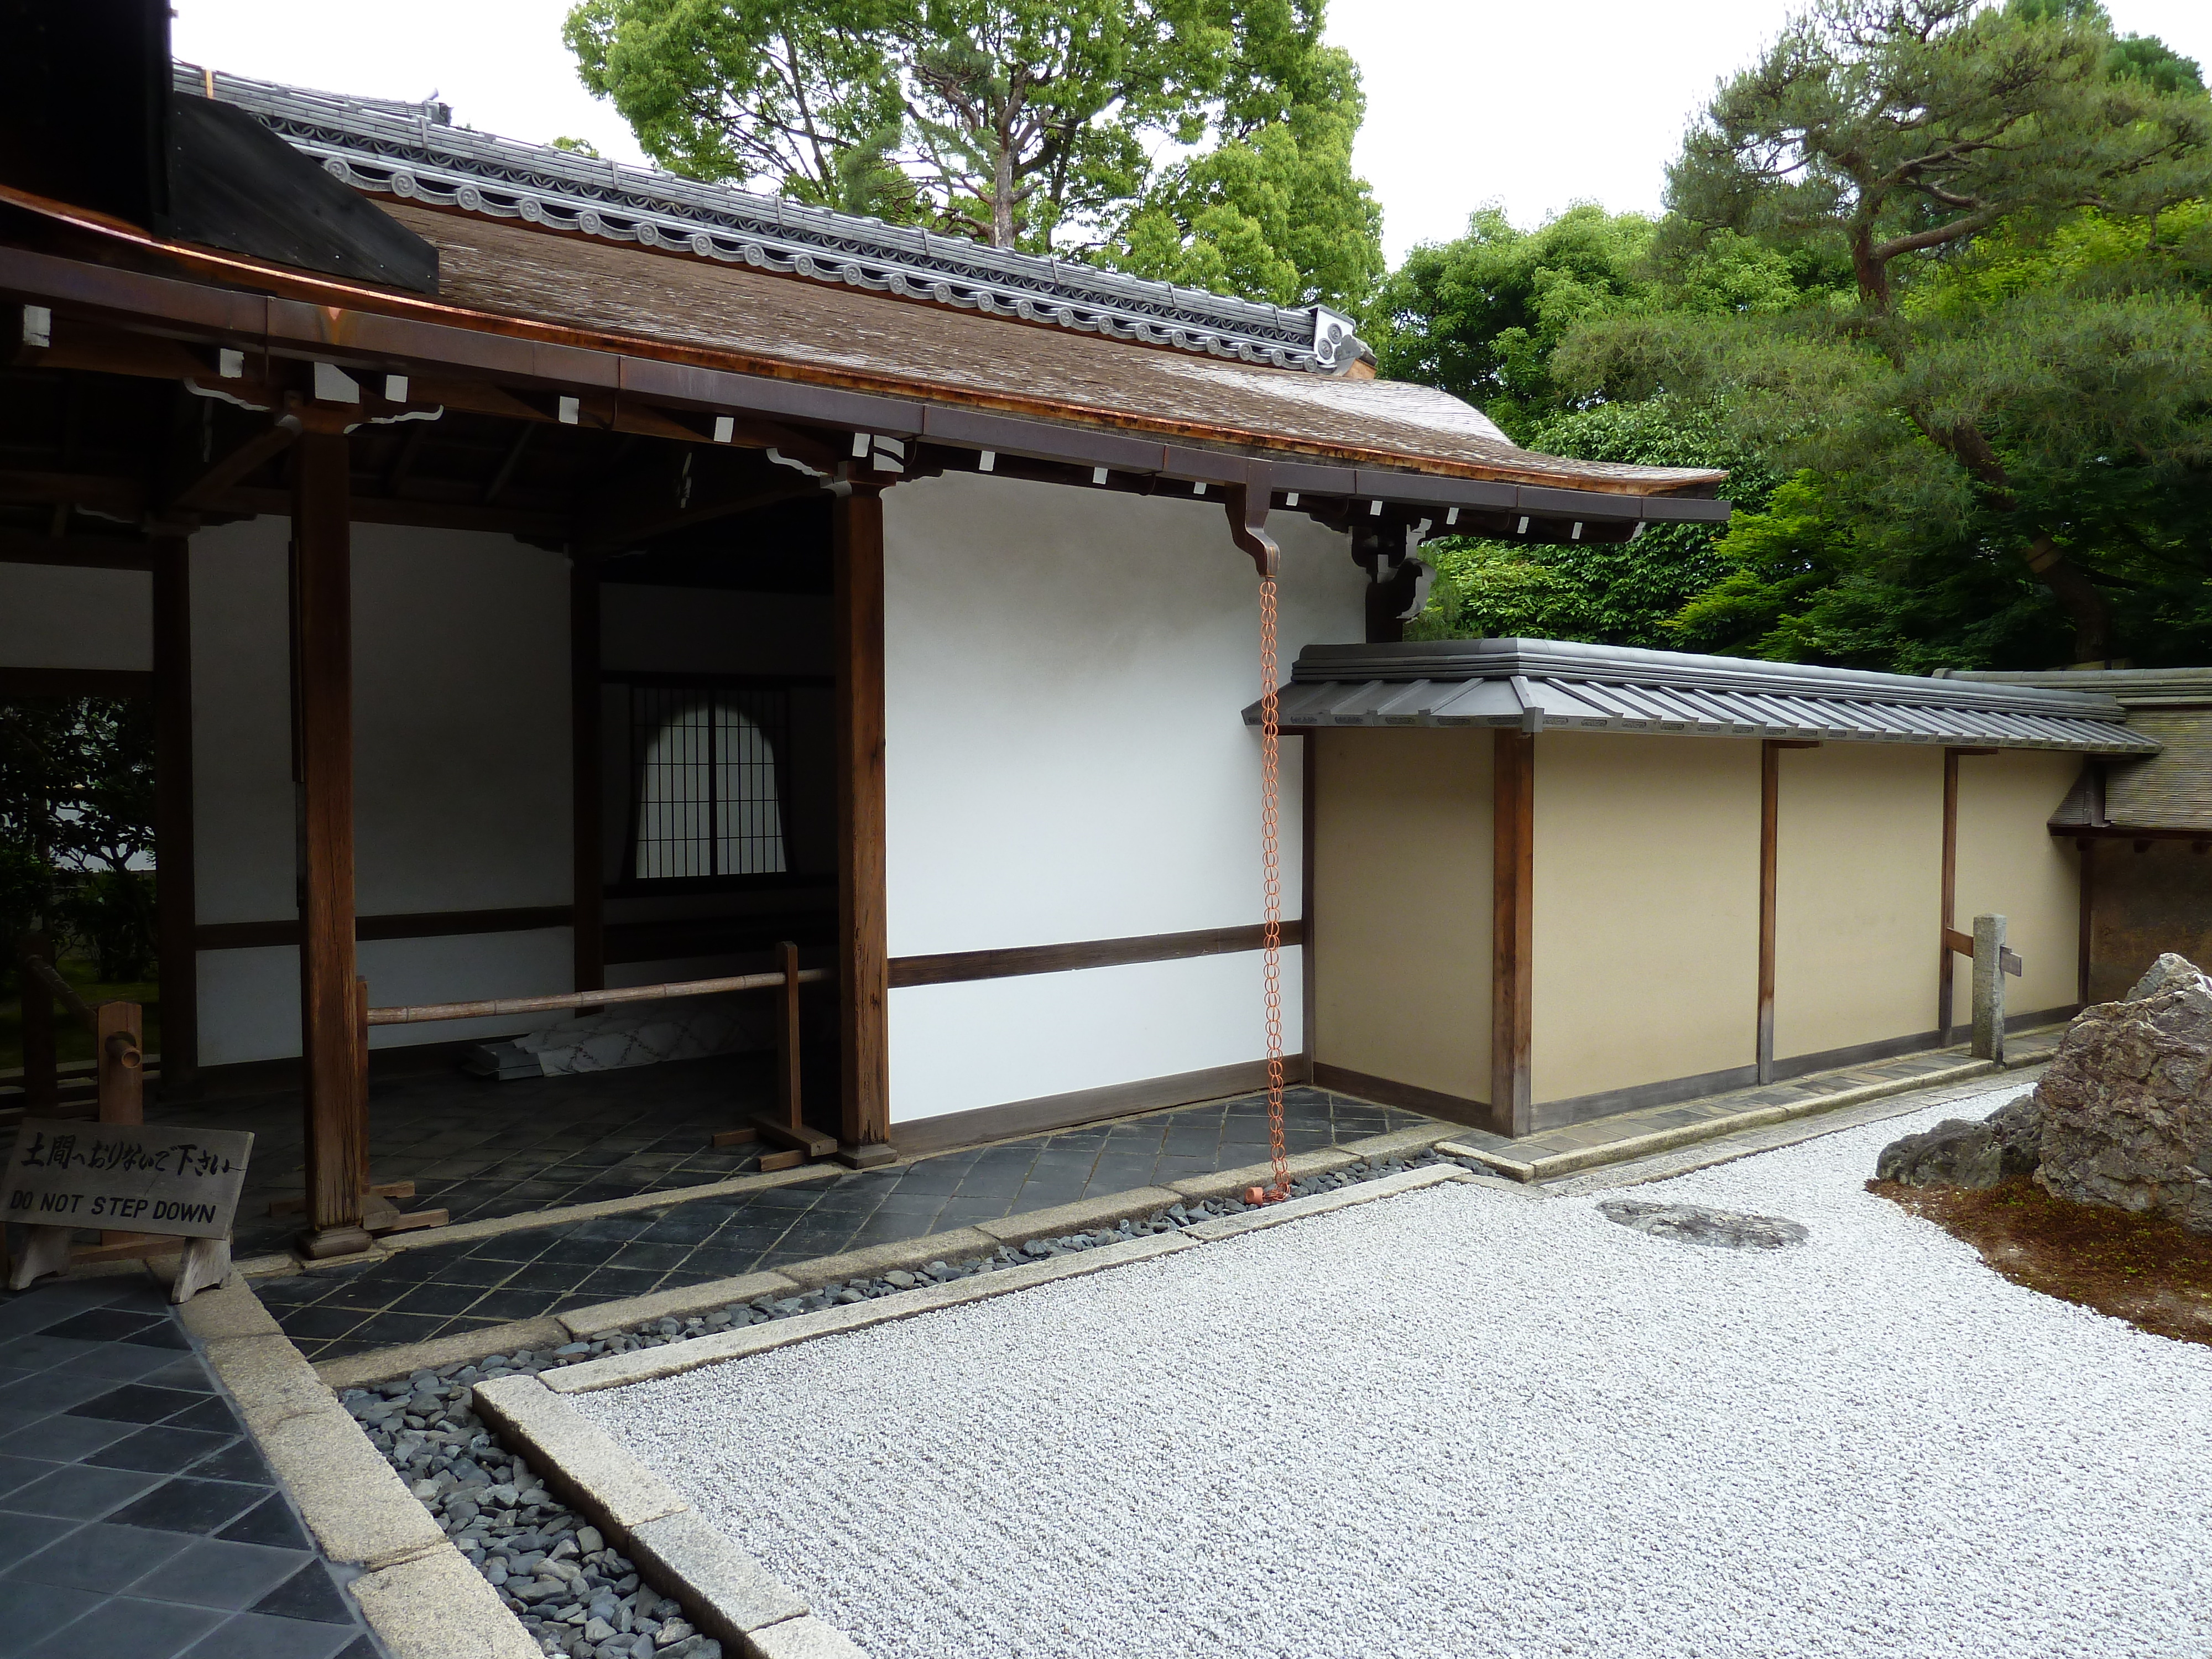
point(461, 769)
point(60, 616)
point(1066, 760)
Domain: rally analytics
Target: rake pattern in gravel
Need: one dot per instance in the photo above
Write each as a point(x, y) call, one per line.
point(1466, 1422)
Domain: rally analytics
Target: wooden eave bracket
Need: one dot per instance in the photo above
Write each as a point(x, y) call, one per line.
point(1247, 506)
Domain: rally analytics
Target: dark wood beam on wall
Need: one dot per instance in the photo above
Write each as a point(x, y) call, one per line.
point(175, 881)
point(863, 922)
point(1512, 930)
point(323, 757)
point(585, 750)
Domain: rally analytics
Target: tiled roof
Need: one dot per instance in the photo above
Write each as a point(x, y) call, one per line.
point(2168, 791)
point(412, 152)
point(1534, 685)
point(881, 343)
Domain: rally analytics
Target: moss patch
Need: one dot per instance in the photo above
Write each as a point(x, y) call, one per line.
point(2153, 1273)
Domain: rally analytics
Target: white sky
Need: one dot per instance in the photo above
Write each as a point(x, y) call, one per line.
point(1534, 105)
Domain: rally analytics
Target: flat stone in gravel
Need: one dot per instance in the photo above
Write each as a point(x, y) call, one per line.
point(1700, 1224)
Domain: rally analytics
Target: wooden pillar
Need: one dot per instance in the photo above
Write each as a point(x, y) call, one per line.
point(1770, 867)
point(1770, 826)
point(589, 881)
point(1309, 979)
point(322, 723)
point(1945, 971)
point(1950, 897)
point(2086, 851)
point(41, 1075)
point(1512, 930)
point(863, 948)
point(177, 914)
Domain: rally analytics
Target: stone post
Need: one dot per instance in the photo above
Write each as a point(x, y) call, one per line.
point(1989, 988)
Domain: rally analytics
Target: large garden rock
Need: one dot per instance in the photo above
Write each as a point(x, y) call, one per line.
point(2127, 1103)
point(1954, 1153)
point(2018, 1127)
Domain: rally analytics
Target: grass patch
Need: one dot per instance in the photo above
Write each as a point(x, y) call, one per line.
point(2151, 1272)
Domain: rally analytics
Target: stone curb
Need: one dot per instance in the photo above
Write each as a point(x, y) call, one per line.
point(381, 1364)
point(798, 1638)
point(601, 1317)
point(1298, 1209)
point(438, 1607)
point(1661, 1140)
point(644, 1364)
point(1082, 1216)
point(1226, 1183)
point(577, 1459)
point(876, 1260)
point(727, 1593)
point(419, 1594)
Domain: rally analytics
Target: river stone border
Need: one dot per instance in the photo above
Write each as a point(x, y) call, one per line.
point(576, 1553)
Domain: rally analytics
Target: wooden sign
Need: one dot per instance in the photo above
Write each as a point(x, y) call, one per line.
point(142, 1178)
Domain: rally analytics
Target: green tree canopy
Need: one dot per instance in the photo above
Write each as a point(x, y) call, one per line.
point(2017, 371)
point(1024, 123)
point(1273, 210)
point(1483, 316)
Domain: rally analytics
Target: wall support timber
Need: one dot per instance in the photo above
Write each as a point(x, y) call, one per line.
point(322, 716)
point(863, 921)
point(589, 880)
point(176, 913)
point(1512, 937)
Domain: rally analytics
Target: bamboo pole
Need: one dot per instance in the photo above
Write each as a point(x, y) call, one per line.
point(499, 1006)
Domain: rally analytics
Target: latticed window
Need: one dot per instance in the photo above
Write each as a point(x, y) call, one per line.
point(707, 795)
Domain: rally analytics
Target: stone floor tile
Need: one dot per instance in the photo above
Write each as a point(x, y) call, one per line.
point(213, 1572)
point(31, 1613)
point(99, 1556)
point(123, 1627)
point(258, 1636)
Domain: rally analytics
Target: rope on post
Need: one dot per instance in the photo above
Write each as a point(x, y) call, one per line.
point(1271, 868)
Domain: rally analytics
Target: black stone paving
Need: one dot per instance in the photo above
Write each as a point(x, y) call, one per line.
point(138, 1520)
point(441, 1290)
point(479, 1148)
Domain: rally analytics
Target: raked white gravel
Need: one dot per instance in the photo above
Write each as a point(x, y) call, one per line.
point(1467, 1422)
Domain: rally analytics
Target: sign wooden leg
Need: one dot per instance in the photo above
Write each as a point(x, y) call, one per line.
point(46, 1250)
point(205, 1265)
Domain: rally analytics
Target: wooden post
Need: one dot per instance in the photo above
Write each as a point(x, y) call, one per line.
point(2085, 849)
point(789, 1039)
point(1770, 869)
point(119, 1041)
point(1950, 897)
point(119, 1038)
point(322, 651)
point(863, 952)
point(588, 883)
point(1770, 826)
point(1989, 988)
point(174, 880)
point(1512, 930)
point(41, 1071)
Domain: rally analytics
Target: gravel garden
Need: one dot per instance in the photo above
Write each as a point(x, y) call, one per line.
point(1463, 1421)
point(576, 1595)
